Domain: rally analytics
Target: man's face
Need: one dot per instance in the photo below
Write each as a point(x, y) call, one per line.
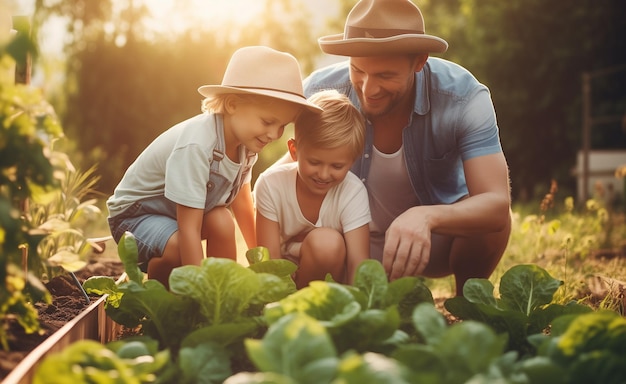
point(383, 83)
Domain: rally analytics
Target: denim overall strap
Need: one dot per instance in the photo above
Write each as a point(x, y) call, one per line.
point(248, 158)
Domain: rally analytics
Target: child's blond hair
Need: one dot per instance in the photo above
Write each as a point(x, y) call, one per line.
point(217, 103)
point(340, 124)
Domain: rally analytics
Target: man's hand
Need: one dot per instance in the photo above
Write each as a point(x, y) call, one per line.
point(407, 244)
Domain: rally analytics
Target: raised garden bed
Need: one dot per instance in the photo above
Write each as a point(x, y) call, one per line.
point(68, 319)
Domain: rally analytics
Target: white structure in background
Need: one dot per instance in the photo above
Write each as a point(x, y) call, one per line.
point(602, 180)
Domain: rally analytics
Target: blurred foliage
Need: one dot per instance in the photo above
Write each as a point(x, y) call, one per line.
point(532, 53)
point(65, 216)
point(27, 125)
point(46, 205)
point(125, 85)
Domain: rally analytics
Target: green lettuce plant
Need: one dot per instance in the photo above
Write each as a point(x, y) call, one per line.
point(219, 301)
point(523, 308)
point(368, 315)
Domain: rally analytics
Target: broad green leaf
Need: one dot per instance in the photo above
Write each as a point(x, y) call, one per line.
point(222, 334)
point(604, 330)
point(68, 260)
point(371, 279)
point(469, 347)
point(526, 287)
point(273, 288)
point(426, 366)
point(290, 347)
point(259, 378)
point(221, 287)
point(128, 253)
point(429, 323)
point(257, 255)
point(502, 321)
point(367, 331)
point(104, 285)
point(407, 292)
point(479, 291)
point(206, 363)
point(330, 303)
point(371, 368)
point(163, 315)
point(85, 361)
point(270, 290)
point(542, 370)
point(278, 267)
point(541, 318)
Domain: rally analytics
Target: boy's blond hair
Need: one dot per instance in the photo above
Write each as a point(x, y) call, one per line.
point(340, 124)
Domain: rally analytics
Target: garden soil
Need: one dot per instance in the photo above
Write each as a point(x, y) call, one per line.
point(68, 301)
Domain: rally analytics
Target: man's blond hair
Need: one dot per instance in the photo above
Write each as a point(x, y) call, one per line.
point(339, 125)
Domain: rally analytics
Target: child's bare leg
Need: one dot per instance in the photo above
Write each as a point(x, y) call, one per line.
point(159, 268)
point(218, 228)
point(323, 251)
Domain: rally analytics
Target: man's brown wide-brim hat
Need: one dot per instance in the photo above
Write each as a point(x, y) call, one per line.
point(383, 27)
point(262, 71)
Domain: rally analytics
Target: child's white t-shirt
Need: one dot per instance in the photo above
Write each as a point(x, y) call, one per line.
point(345, 206)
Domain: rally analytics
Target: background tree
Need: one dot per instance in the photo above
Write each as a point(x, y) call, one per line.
point(532, 53)
point(126, 85)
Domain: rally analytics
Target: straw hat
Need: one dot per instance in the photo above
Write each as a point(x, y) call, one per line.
point(383, 27)
point(263, 71)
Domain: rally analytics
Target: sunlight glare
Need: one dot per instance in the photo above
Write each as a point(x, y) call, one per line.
point(177, 16)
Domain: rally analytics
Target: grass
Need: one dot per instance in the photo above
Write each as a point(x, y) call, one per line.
point(584, 247)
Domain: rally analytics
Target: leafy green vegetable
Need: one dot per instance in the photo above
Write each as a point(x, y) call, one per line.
point(257, 255)
point(88, 361)
point(206, 363)
point(451, 354)
point(221, 287)
point(330, 303)
point(590, 347)
point(220, 299)
point(524, 307)
point(296, 346)
point(372, 368)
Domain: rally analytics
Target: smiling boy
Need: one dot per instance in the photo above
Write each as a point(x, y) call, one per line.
point(313, 211)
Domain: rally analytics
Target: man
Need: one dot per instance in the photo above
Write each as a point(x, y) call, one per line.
point(433, 164)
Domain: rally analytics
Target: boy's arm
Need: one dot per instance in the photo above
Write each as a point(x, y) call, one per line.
point(189, 240)
point(268, 235)
point(243, 210)
point(357, 249)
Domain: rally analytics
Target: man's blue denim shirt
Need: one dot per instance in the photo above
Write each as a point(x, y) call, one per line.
point(453, 120)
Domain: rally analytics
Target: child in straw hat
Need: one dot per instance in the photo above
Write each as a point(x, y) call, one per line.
point(313, 211)
point(182, 188)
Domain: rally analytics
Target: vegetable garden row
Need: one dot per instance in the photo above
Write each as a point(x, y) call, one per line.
point(223, 322)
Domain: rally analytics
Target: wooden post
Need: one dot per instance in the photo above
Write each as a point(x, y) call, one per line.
point(23, 69)
point(586, 88)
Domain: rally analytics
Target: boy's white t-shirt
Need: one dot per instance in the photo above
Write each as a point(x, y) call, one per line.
point(345, 206)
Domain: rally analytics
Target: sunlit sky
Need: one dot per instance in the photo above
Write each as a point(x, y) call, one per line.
point(175, 16)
